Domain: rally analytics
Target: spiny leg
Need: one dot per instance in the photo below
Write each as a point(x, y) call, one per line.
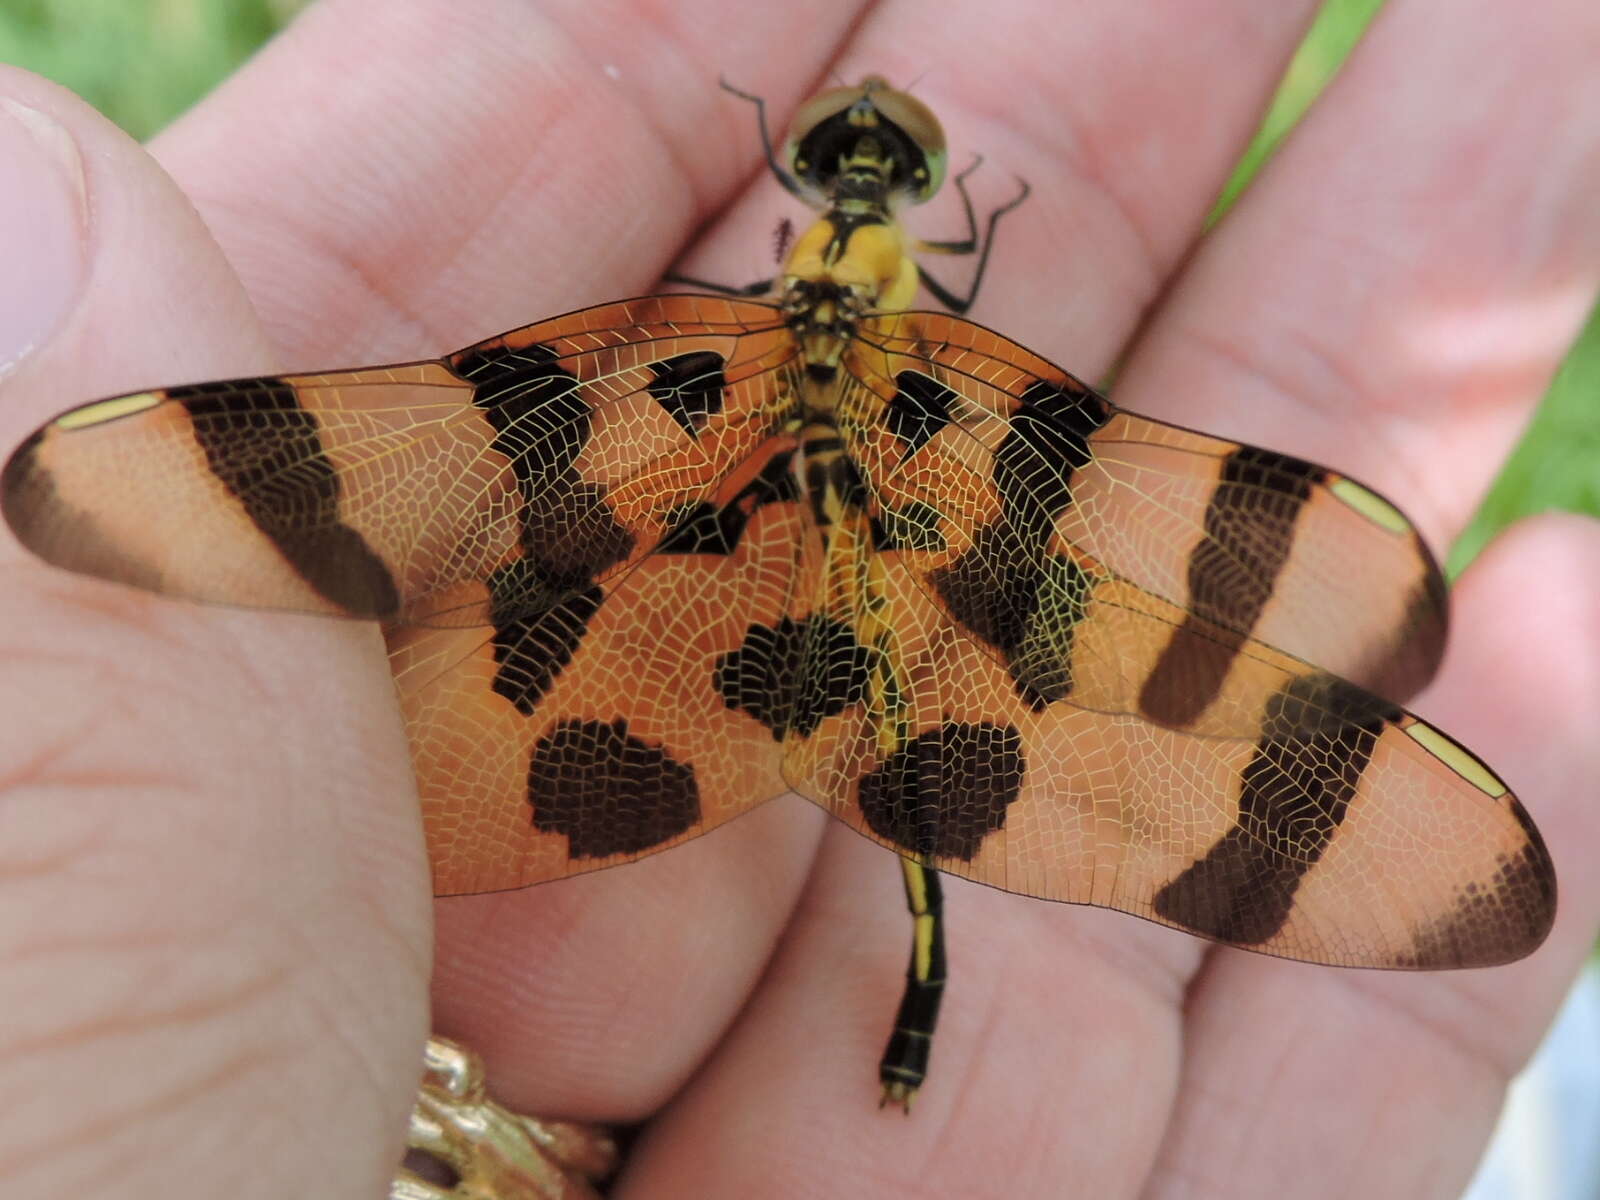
point(969, 243)
point(960, 304)
point(759, 288)
point(905, 1059)
point(790, 183)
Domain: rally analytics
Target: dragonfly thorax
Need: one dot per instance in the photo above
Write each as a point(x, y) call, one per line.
point(848, 264)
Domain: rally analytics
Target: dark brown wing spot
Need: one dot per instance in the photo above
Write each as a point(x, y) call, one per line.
point(791, 676)
point(1048, 440)
point(1498, 921)
point(538, 625)
point(267, 450)
point(1249, 526)
point(541, 421)
point(919, 410)
point(943, 792)
point(541, 603)
point(58, 531)
point(703, 528)
point(1318, 736)
point(534, 404)
point(1028, 609)
point(914, 525)
point(689, 387)
point(1403, 667)
point(1007, 589)
point(609, 792)
point(1495, 922)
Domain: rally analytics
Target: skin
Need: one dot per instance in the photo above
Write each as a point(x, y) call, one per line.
point(215, 929)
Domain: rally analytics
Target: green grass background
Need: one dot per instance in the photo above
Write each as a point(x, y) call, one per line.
point(143, 61)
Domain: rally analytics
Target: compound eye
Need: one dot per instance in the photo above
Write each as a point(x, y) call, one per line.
point(923, 133)
point(928, 178)
point(809, 118)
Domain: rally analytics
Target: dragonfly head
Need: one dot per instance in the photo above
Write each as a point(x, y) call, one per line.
point(866, 142)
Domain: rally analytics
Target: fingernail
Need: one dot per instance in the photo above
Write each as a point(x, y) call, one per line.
point(43, 215)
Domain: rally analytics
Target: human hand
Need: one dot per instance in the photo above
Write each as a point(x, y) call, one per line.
point(215, 921)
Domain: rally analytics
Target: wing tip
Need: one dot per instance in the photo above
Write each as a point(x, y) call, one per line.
point(53, 530)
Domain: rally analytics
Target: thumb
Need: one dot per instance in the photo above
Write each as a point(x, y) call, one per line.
point(213, 905)
point(110, 279)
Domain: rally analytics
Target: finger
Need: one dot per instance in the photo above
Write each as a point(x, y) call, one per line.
point(598, 998)
point(1097, 111)
point(213, 941)
point(390, 181)
point(1056, 1056)
point(1397, 288)
point(1403, 1072)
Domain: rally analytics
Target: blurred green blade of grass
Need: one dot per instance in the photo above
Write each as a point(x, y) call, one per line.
point(141, 62)
point(1335, 32)
point(1557, 463)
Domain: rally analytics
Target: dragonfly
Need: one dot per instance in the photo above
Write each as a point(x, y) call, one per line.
point(646, 565)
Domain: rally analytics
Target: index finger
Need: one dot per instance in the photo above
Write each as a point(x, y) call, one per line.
point(1396, 289)
point(434, 173)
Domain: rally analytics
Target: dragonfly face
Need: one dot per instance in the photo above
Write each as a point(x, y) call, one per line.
point(861, 142)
